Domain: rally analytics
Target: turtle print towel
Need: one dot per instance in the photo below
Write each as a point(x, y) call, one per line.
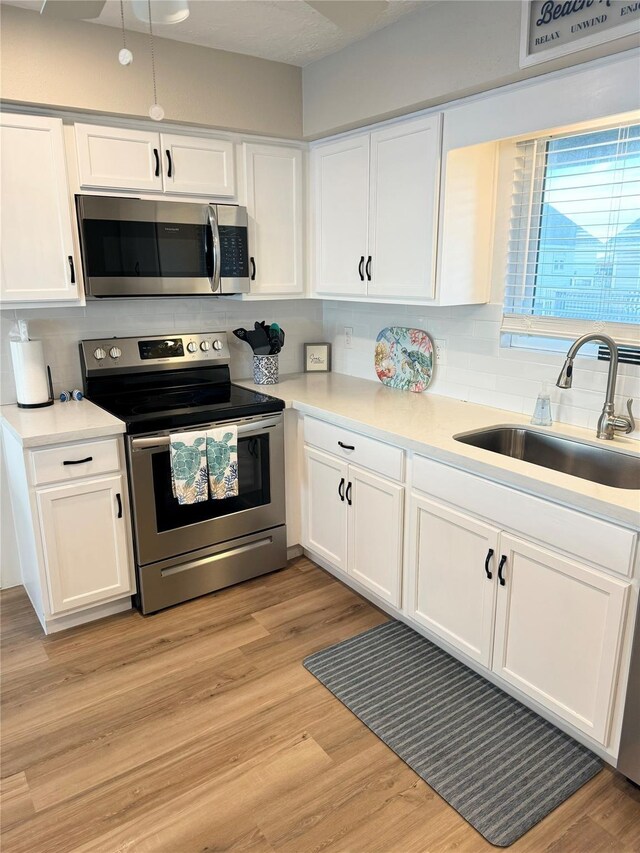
point(189, 476)
point(222, 459)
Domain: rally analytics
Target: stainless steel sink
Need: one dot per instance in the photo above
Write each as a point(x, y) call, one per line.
point(609, 467)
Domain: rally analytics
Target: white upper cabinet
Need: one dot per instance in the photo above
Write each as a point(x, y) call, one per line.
point(405, 160)
point(275, 208)
point(341, 181)
point(198, 166)
point(375, 200)
point(146, 161)
point(118, 158)
point(38, 259)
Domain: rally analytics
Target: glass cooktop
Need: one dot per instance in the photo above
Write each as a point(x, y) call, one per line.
point(174, 408)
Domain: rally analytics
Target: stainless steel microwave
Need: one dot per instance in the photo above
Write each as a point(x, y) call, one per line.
point(132, 247)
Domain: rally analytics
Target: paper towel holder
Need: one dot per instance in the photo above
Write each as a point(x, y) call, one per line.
point(48, 402)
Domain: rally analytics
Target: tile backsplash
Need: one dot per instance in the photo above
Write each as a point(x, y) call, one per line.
point(476, 368)
point(60, 329)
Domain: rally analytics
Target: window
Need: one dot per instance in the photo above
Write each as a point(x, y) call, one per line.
point(574, 244)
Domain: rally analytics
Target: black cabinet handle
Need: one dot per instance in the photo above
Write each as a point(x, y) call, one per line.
point(77, 461)
point(361, 268)
point(341, 489)
point(253, 269)
point(503, 560)
point(346, 446)
point(169, 162)
point(157, 156)
point(119, 499)
point(369, 268)
point(486, 563)
point(348, 494)
point(72, 269)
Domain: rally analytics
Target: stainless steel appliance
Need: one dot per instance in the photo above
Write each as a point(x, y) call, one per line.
point(135, 247)
point(172, 383)
point(629, 754)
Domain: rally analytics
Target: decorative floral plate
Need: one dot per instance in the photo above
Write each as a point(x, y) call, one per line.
point(404, 358)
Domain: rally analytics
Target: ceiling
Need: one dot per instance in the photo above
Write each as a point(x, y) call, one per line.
point(291, 31)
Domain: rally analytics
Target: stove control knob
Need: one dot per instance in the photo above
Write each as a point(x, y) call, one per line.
point(192, 346)
point(115, 352)
point(205, 346)
point(99, 354)
point(217, 345)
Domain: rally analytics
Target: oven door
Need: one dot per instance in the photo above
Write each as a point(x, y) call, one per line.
point(163, 528)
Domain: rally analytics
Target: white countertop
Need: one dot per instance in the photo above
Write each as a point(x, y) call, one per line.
point(60, 423)
point(426, 423)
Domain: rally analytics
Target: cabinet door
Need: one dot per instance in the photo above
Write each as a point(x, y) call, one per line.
point(450, 591)
point(558, 631)
point(325, 509)
point(198, 166)
point(38, 262)
point(405, 169)
point(84, 536)
point(375, 513)
point(274, 204)
point(341, 181)
point(118, 158)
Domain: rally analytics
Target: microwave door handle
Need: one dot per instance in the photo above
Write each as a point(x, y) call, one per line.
point(214, 278)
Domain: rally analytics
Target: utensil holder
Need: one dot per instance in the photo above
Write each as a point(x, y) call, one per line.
point(265, 369)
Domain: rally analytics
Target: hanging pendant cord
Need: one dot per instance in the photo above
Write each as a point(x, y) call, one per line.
point(153, 59)
point(124, 36)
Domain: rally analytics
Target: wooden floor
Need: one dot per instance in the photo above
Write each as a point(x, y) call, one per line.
point(198, 729)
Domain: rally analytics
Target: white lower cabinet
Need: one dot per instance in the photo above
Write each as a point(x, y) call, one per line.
point(374, 532)
point(71, 511)
point(326, 519)
point(453, 558)
point(548, 625)
point(558, 633)
point(353, 520)
point(84, 538)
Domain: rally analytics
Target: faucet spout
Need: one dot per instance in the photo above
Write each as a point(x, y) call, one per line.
point(566, 374)
point(608, 423)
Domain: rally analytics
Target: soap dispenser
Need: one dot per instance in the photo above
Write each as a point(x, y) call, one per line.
point(542, 412)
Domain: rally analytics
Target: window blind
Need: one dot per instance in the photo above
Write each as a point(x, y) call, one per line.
point(574, 244)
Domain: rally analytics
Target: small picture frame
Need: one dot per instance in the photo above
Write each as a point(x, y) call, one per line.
point(317, 358)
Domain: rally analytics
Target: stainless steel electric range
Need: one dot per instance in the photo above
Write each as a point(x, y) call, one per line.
point(171, 383)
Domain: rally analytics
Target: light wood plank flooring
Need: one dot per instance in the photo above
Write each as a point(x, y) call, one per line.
point(198, 729)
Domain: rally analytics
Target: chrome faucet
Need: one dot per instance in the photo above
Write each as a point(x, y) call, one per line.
point(608, 423)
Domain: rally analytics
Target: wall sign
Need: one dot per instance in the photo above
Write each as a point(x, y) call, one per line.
point(317, 358)
point(552, 28)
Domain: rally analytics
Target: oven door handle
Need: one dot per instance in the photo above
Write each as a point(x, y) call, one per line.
point(160, 441)
point(216, 266)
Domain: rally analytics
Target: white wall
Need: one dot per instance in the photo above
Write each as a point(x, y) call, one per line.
point(74, 65)
point(440, 53)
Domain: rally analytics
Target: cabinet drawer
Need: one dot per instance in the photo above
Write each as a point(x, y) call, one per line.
point(72, 461)
point(353, 447)
point(598, 542)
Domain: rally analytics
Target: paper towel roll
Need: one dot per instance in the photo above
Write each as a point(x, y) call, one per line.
point(30, 373)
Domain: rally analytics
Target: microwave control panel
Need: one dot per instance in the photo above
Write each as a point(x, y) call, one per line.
point(234, 251)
